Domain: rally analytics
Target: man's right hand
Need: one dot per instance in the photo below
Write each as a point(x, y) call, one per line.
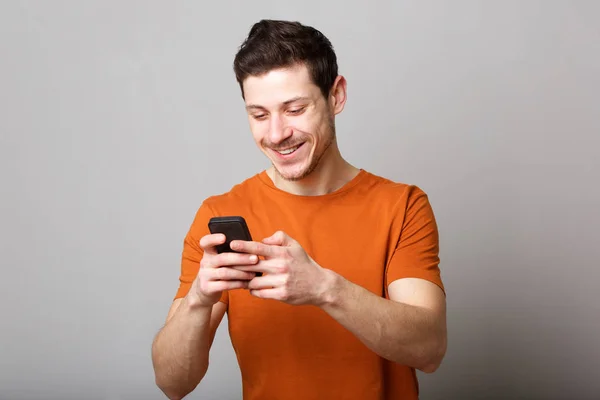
point(216, 275)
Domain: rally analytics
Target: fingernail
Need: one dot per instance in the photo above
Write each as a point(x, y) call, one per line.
point(253, 258)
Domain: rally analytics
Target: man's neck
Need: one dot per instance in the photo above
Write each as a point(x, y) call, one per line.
point(330, 175)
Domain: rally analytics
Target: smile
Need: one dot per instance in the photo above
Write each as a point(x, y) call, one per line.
point(289, 151)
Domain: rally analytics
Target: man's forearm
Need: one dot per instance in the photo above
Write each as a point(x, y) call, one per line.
point(399, 332)
point(180, 349)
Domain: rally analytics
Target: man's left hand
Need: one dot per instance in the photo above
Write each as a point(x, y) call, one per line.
point(289, 274)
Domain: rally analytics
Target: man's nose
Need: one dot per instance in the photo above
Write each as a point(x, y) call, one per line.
point(279, 130)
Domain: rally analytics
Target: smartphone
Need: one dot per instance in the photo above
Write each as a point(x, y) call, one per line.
point(234, 228)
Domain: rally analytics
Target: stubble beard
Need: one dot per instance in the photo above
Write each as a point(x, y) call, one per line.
point(314, 162)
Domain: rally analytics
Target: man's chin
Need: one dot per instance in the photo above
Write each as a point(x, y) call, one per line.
point(291, 175)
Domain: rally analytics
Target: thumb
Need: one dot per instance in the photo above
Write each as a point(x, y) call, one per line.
point(279, 238)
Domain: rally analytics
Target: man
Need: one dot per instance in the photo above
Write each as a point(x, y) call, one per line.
point(350, 302)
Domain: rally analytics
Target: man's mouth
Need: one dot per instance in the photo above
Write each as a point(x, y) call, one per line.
point(289, 150)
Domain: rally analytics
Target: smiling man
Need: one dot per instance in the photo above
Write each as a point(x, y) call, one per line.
point(350, 303)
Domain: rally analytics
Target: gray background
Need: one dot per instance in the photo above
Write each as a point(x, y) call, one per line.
point(118, 118)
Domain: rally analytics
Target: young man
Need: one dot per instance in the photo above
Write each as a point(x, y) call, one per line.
point(350, 302)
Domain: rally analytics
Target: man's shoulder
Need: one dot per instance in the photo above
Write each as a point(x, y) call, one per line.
point(386, 186)
point(238, 193)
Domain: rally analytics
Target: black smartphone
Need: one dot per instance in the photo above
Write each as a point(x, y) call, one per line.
point(234, 228)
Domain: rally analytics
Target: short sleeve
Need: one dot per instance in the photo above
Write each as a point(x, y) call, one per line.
point(192, 252)
point(417, 250)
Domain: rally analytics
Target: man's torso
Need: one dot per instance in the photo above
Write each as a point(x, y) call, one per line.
point(300, 349)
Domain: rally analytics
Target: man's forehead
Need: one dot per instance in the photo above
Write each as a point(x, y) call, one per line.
point(279, 87)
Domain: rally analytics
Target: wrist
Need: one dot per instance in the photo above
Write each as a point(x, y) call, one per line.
point(195, 303)
point(331, 289)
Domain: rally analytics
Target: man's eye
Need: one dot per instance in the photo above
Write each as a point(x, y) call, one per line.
point(296, 111)
point(259, 117)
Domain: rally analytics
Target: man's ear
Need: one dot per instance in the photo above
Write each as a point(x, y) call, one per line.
point(338, 95)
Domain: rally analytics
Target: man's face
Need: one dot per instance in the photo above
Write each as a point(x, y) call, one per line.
point(291, 121)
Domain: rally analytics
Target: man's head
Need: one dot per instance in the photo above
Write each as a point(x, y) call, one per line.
point(289, 80)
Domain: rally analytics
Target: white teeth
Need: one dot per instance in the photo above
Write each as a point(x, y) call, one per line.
point(288, 151)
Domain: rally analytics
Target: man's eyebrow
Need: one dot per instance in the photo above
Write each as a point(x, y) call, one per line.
point(287, 102)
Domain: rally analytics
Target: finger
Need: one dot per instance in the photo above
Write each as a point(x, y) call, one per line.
point(270, 266)
point(219, 286)
point(209, 242)
point(279, 238)
point(267, 281)
point(231, 259)
point(227, 274)
point(251, 247)
point(270, 293)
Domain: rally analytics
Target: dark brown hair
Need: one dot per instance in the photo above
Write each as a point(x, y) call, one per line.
point(275, 44)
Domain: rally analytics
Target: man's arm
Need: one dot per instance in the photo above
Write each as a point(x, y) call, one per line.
point(180, 349)
point(409, 329)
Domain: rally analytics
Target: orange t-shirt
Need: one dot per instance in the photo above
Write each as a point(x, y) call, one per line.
point(371, 231)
